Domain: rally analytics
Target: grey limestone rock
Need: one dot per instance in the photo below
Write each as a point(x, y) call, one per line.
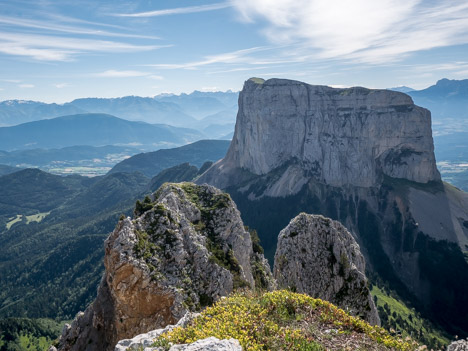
point(338, 137)
point(318, 256)
point(145, 340)
point(209, 344)
point(459, 345)
point(185, 248)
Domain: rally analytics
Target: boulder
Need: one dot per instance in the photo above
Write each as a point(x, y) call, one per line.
point(319, 257)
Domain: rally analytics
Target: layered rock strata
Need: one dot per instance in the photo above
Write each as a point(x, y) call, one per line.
point(318, 256)
point(186, 247)
point(336, 136)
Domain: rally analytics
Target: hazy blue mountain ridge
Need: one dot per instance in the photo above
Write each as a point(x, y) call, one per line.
point(183, 110)
point(13, 112)
point(201, 104)
point(135, 108)
point(6, 169)
point(151, 163)
point(402, 89)
point(95, 130)
point(446, 99)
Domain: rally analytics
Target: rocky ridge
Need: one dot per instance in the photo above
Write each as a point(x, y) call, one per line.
point(186, 248)
point(319, 257)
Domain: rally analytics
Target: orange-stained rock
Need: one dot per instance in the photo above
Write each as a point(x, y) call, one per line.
point(186, 248)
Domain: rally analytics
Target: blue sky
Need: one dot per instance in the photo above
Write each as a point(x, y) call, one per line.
point(55, 51)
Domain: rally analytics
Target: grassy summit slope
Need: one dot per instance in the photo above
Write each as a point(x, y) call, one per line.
point(283, 320)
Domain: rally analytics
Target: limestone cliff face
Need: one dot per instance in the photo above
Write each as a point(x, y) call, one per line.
point(318, 256)
point(335, 136)
point(362, 157)
point(186, 248)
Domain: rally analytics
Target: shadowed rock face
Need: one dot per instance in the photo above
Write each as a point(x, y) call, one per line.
point(334, 136)
point(319, 257)
point(186, 248)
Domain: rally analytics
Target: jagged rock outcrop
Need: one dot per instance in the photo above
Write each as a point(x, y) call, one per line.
point(336, 136)
point(459, 345)
point(186, 247)
point(318, 256)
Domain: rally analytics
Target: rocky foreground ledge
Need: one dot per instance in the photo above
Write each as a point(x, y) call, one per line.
point(187, 248)
point(278, 320)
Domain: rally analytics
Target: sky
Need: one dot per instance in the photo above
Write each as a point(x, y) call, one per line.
point(59, 50)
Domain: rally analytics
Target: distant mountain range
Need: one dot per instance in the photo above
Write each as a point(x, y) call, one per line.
point(151, 163)
point(13, 112)
point(448, 102)
point(185, 110)
point(446, 99)
point(135, 108)
point(5, 169)
point(93, 129)
point(402, 89)
point(201, 104)
point(210, 115)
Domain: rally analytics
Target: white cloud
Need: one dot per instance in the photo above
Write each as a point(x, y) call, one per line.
point(16, 81)
point(26, 86)
point(177, 11)
point(121, 74)
point(47, 25)
point(362, 30)
point(57, 48)
point(155, 77)
point(61, 85)
point(240, 69)
point(239, 56)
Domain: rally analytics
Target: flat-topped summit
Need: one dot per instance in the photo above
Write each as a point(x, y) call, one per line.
point(338, 137)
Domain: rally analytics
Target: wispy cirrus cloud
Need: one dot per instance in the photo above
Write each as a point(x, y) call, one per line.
point(177, 11)
point(58, 27)
point(62, 85)
point(121, 74)
point(11, 80)
point(127, 74)
point(234, 57)
point(26, 86)
point(362, 30)
point(58, 48)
